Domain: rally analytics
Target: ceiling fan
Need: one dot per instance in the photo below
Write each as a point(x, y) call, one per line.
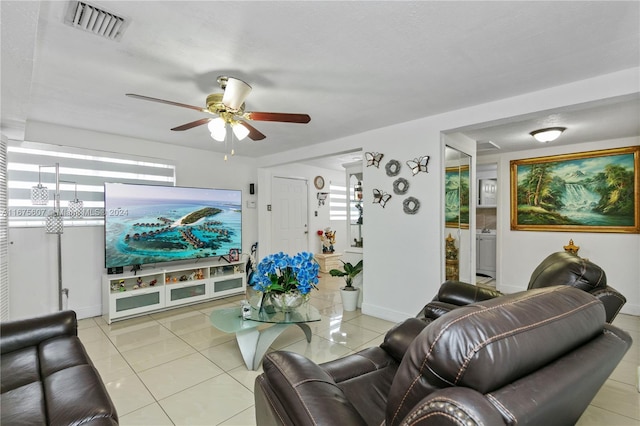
point(229, 108)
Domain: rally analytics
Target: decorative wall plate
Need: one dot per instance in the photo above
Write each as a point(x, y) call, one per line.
point(411, 205)
point(400, 186)
point(418, 165)
point(373, 158)
point(392, 168)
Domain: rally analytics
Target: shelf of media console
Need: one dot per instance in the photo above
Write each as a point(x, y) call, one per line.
point(128, 294)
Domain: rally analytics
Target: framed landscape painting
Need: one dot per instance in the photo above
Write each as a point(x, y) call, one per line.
point(595, 191)
point(457, 190)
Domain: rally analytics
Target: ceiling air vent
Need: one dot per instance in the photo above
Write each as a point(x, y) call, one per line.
point(96, 20)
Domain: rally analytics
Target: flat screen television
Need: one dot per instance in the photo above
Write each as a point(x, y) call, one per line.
point(147, 224)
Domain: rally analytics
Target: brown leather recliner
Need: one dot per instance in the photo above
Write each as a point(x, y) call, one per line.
point(534, 357)
point(561, 268)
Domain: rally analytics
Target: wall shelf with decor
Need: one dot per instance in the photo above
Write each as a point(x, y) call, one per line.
point(155, 289)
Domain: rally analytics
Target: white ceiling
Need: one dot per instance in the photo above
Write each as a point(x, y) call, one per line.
point(352, 66)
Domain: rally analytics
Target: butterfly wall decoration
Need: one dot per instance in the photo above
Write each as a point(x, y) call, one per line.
point(418, 165)
point(373, 158)
point(380, 197)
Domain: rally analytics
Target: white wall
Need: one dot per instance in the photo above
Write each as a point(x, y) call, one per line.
point(33, 254)
point(403, 254)
point(519, 252)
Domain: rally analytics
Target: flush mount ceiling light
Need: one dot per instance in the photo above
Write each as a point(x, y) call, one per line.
point(547, 135)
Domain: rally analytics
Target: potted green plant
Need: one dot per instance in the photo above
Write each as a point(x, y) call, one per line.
point(349, 293)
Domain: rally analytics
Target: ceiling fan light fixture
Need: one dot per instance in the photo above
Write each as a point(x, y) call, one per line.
point(548, 135)
point(240, 131)
point(219, 135)
point(218, 129)
point(216, 124)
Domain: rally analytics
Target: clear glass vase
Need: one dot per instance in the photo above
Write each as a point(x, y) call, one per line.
point(287, 302)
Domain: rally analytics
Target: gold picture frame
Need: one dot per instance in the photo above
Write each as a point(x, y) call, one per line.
point(592, 191)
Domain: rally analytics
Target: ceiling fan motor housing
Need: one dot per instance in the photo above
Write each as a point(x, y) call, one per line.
point(215, 105)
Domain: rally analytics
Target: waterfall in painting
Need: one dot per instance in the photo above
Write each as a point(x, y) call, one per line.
point(578, 198)
point(452, 205)
point(579, 203)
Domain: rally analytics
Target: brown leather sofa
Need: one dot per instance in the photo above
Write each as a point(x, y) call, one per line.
point(561, 268)
point(47, 377)
point(536, 357)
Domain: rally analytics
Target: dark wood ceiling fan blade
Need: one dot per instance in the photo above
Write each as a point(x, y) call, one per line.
point(278, 116)
point(254, 133)
point(192, 124)
point(162, 101)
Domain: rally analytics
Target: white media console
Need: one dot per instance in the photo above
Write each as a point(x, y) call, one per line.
point(155, 289)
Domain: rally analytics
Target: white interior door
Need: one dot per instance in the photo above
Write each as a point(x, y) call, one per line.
point(289, 215)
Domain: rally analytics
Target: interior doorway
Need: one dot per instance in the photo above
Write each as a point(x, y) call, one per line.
point(486, 223)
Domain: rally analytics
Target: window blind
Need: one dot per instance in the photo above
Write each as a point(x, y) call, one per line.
point(82, 172)
point(337, 202)
point(4, 234)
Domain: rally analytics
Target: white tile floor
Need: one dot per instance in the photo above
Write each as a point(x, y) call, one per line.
point(174, 368)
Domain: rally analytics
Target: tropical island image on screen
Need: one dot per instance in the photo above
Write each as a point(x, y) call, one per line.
point(146, 224)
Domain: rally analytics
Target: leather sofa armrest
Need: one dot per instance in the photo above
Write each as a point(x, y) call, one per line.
point(306, 392)
point(612, 300)
point(452, 295)
point(23, 333)
point(454, 406)
point(461, 293)
point(398, 339)
point(434, 310)
point(362, 362)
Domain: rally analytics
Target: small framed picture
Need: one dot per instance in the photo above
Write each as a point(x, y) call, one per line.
point(234, 255)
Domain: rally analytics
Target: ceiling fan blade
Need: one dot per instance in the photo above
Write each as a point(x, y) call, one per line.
point(235, 92)
point(254, 133)
point(278, 116)
point(192, 124)
point(162, 101)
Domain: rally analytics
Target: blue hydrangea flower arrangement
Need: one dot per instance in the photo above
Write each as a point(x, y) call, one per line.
point(281, 273)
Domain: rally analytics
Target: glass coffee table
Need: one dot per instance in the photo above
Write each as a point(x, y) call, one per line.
point(253, 342)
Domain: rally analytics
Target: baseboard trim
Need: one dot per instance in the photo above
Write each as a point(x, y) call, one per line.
point(384, 313)
point(89, 312)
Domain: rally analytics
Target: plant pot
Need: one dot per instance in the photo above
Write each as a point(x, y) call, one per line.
point(287, 302)
point(349, 298)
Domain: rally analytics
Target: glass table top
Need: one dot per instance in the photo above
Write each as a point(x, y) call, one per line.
point(230, 320)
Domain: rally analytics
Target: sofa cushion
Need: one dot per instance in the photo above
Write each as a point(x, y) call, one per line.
point(47, 376)
point(89, 399)
point(60, 353)
point(487, 345)
point(19, 368)
point(23, 405)
point(31, 331)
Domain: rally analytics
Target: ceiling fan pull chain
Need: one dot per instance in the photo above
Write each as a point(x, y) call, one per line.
point(233, 151)
point(226, 136)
